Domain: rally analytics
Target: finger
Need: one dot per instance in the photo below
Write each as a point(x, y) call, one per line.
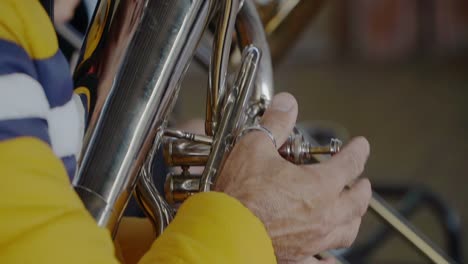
point(343, 168)
point(353, 202)
point(343, 236)
point(280, 117)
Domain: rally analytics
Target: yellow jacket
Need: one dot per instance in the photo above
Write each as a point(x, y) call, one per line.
point(42, 220)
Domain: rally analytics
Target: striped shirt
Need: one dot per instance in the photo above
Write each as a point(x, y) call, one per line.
point(42, 220)
point(36, 89)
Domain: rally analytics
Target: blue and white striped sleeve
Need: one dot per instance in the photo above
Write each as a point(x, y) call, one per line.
point(37, 98)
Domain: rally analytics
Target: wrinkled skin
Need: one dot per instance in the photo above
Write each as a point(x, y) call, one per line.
point(306, 209)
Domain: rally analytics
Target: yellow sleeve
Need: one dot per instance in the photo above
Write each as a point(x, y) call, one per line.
point(212, 228)
point(42, 220)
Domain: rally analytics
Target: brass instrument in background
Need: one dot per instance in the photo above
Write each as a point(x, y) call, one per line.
point(133, 59)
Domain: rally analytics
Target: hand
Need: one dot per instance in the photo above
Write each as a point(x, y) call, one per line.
point(306, 209)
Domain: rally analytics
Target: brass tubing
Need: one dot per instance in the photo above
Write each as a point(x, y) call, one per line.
point(188, 136)
point(185, 153)
point(219, 63)
point(324, 150)
point(236, 102)
point(136, 52)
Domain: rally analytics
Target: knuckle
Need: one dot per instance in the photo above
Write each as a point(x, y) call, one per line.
point(354, 232)
point(343, 242)
point(357, 205)
point(349, 239)
point(367, 190)
point(356, 165)
point(366, 194)
point(363, 209)
point(320, 179)
point(254, 144)
point(348, 242)
point(357, 210)
point(323, 181)
point(324, 227)
point(243, 144)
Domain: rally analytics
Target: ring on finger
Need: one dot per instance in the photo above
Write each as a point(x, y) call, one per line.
point(258, 128)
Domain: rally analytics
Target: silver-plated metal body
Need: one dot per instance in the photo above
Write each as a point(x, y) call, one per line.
point(233, 117)
point(180, 187)
point(250, 31)
point(295, 149)
point(219, 63)
point(152, 202)
point(185, 153)
point(188, 136)
point(138, 51)
point(300, 151)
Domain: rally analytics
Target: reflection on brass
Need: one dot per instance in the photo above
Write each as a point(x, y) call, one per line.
point(185, 153)
point(180, 187)
point(188, 136)
point(299, 151)
point(232, 118)
point(135, 54)
point(219, 63)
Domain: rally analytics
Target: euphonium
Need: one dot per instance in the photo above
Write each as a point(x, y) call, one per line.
point(133, 58)
point(132, 61)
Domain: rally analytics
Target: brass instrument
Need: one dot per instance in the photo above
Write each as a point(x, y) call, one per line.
point(133, 59)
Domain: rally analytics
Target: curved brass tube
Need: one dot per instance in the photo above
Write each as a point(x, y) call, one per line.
point(283, 20)
point(136, 53)
point(219, 63)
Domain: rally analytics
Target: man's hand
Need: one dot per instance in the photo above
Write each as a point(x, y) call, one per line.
point(306, 209)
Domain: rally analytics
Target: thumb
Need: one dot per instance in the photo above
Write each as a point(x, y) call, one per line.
point(280, 117)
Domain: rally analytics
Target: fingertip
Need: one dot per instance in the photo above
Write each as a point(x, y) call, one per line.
point(280, 117)
point(363, 144)
point(368, 188)
point(347, 165)
point(367, 183)
point(363, 189)
point(286, 99)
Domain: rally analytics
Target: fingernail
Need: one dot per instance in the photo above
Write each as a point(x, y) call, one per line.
point(282, 102)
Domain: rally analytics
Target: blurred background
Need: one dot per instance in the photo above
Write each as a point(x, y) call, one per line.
point(395, 71)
